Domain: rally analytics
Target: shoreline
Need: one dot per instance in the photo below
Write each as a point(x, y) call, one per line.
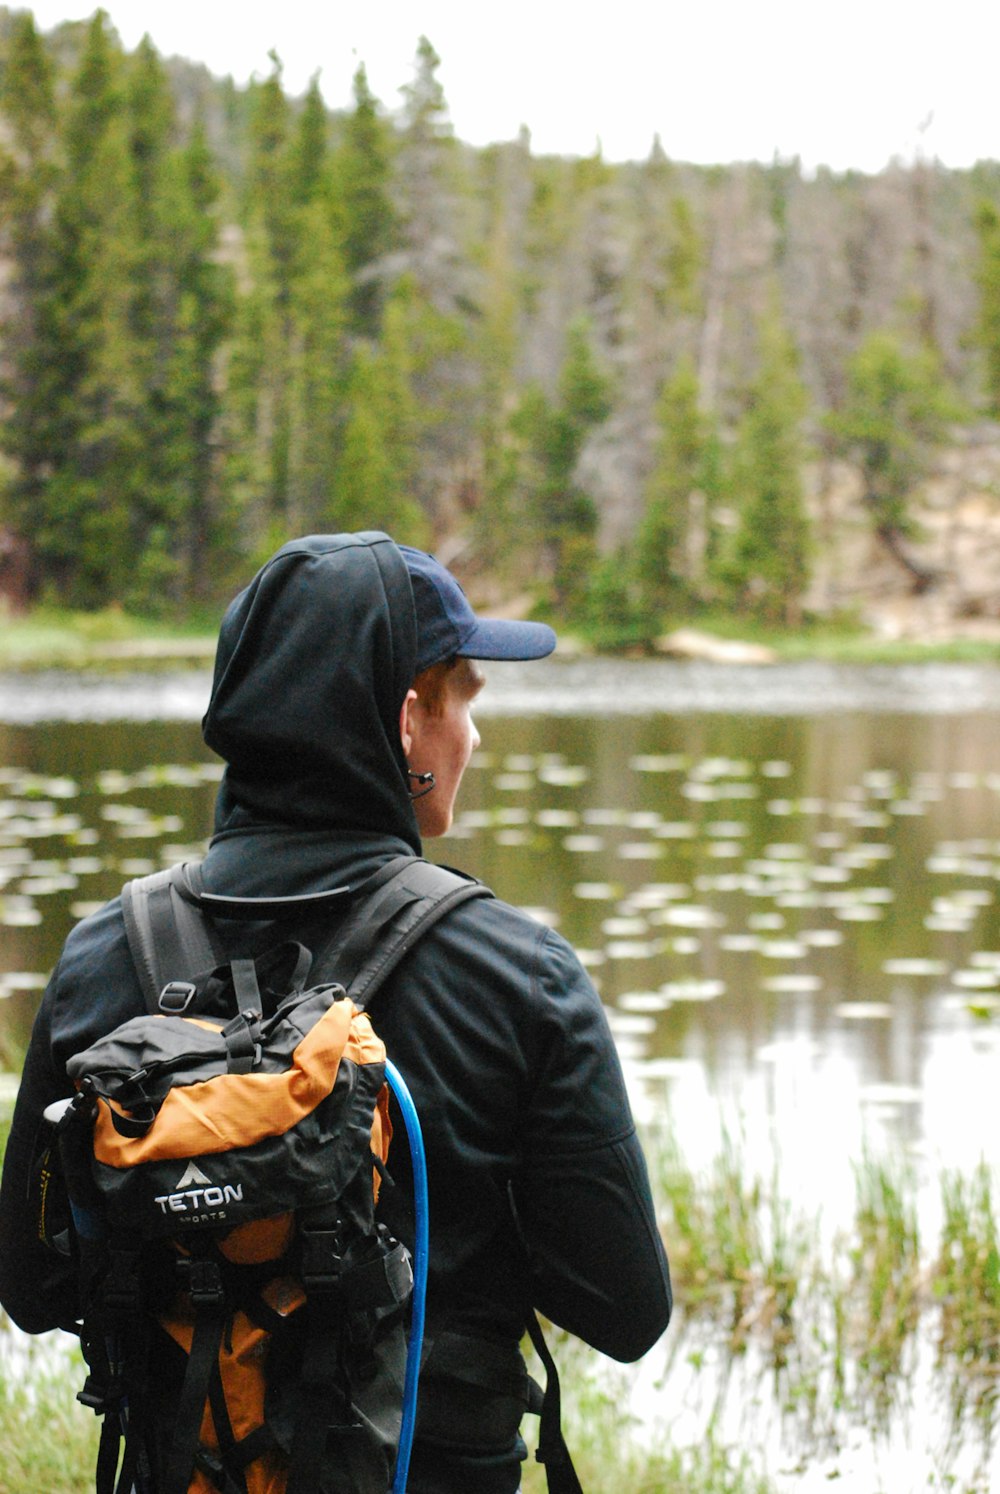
point(112, 641)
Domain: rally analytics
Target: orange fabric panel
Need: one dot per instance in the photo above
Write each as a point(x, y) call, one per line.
point(242, 1360)
point(381, 1134)
point(237, 1110)
point(259, 1240)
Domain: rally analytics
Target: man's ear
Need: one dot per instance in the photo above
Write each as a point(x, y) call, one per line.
point(406, 723)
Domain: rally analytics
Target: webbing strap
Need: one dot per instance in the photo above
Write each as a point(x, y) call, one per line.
point(202, 1361)
point(388, 924)
point(168, 921)
point(165, 934)
point(552, 1452)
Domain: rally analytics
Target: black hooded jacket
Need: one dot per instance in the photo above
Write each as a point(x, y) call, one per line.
point(491, 1019)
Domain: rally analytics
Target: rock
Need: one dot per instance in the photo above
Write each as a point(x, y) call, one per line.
point(689, 643)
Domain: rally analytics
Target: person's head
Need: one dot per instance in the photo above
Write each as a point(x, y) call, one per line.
point(436, 726)
point(344, 680)
point(439, 737)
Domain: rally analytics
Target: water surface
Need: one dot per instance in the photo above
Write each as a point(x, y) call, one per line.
point(782, 881)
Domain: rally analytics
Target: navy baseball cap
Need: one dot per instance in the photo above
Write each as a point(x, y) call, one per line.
point(447, 625)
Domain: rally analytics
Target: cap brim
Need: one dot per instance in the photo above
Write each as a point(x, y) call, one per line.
point(503, 638)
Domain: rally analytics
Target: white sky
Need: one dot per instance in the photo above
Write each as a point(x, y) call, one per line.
point(848, 84)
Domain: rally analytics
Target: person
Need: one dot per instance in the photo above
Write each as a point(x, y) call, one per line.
point(342, 704)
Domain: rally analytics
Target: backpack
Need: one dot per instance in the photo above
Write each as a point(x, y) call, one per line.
point(243, 1310)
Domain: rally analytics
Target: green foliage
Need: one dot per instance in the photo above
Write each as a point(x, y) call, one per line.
point(212, 309)
point(663, 535)
point(612, 615)
point(374, 487)
point(988, 277)
point(366, 217)
point(49, 1440)
point(897, 409)
point(684, 257)
point(112, 382)
point(766, 569)
point(560, 518)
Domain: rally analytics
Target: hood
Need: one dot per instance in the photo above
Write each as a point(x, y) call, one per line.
point(313, 663)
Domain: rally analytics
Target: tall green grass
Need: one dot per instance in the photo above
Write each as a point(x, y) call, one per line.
point(830, 1326)
point(48, 1442)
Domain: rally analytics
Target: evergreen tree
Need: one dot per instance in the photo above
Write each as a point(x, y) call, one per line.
point(201, 312)
point(309, 156)
point(366, 215)
point(988, 277)
point(896, 411)
point(428, 185)
point(113, 402)
point(374, 487)
point(98, 457)
point(435, 233)
point(318, 367)
point(263, 431)
point(561, 517)
point(769, 564)
point(27, 178)
point(662, 541)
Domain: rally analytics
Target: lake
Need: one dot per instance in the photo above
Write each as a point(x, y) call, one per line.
point(782, 881)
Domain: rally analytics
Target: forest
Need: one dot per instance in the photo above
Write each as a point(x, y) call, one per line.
point(620, 394)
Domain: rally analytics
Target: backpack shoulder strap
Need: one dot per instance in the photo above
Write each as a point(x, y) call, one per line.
point(170, 931)
point(166, 932)
point(411, 896)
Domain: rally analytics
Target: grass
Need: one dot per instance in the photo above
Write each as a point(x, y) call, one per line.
point(49, 638)
point(54, 638)
point(49, 1442)
point(830, 1330)
point(842, 640)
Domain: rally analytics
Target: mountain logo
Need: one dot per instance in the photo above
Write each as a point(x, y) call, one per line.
point(193, 1178)
point(193, 1194)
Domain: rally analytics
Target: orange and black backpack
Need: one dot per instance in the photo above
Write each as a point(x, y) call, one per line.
point(244, 1313)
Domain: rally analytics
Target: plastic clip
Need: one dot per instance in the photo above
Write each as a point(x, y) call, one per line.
point(322, 1264)
point(176, 997)
point(203, 1283)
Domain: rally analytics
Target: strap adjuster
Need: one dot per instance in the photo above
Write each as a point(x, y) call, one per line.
point(176, 997)
point(322, 1264)
point(202, 1281)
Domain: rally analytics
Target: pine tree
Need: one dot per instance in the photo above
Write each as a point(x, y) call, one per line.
point(897, 409)
point(435, 233)
point(374, 487)
point(769, 564)
point(561, 518)
point(259, 419)
point(366, 216)
point(988, 277)
point(662, 540)
point(98, 459)
point(319, 366)
point(201, 313)
point(28, 174)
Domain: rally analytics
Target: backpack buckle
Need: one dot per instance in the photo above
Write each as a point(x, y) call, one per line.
point(321, 1261)
point(202, 1281)
point(176, 997)
point(100, 1395)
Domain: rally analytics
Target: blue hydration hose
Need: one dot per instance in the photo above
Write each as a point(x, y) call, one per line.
point(420, 1252)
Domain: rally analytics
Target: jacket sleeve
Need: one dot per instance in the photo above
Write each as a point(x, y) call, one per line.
point(37, 1285)
point(582, 1194)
